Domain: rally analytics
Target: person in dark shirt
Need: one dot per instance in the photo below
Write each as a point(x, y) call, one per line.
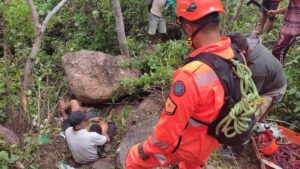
point(267, 72)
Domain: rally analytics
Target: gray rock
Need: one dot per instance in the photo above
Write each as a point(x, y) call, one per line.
point(8, 136)
point(151, 104)
point(104, 163)
point(94, 76)
point(135, 134)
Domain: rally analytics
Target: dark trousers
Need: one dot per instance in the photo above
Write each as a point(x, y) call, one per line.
point(282, 46)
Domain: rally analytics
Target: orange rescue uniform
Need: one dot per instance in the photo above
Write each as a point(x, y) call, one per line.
point(196, 94)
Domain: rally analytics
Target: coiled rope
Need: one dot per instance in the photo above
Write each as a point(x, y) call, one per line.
point(237, 121)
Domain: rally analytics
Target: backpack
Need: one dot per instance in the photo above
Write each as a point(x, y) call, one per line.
point(231, 84)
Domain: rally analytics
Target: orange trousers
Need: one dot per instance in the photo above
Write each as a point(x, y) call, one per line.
point(193, 152)
point(135, 162)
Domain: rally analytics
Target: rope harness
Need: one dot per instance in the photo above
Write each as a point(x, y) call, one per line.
point(237, 121)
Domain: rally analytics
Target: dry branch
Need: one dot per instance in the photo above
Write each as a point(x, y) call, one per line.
point(51, 14)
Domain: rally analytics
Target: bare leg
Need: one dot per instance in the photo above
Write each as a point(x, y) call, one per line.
point(268, 25)
point(265, 108)
point(62, 109)
point(74, 105)
point(260, 26)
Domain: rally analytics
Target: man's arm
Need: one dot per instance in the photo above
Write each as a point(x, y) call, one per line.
point(104, 127)
point(103, 138)
point(97, 139)
point(278, 11)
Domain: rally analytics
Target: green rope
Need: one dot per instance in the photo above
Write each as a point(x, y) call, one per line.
point(240, 115)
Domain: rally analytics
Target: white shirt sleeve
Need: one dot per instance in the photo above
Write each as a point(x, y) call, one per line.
point(98, 139)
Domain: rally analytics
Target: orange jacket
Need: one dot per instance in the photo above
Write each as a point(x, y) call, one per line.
point(196, 93)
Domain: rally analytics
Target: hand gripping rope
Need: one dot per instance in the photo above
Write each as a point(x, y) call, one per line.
point(240, 115)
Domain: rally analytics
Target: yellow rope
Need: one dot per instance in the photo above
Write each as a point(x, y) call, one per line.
point(240, 115)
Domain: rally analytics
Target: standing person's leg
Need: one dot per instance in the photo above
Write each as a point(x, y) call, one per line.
point(260, 26)
point(162, 29)
point(263, 18)
point(153, 25)
point(134, 160)
point(265, 107)
point(269, 24)
point(271, 99)
point(282, 46)
point(270, 19)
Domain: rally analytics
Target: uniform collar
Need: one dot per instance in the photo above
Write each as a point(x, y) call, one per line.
point(221, 48)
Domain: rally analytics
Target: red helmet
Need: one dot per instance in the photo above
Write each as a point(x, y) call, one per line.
point(195, 9)
point(266, 143)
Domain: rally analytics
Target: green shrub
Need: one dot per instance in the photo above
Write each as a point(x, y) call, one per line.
point(289, 108)
point(9, 154)
point(157, 64)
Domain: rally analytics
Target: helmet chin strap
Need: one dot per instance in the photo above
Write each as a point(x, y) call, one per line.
point(190, 39)
point(199, 28)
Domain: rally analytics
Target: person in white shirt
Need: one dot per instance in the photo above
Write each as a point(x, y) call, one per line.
point(156, 19)
point(82, 143)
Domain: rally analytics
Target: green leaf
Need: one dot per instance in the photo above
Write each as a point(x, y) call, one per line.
point(14, 158)
point(4, 165)
point(4, 156)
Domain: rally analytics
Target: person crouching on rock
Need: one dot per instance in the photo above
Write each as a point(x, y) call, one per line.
point(83, 143)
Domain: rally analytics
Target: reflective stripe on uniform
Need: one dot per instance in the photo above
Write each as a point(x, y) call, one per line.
point(195, 123)
point(205, 78)
point(161, 158)
point(154, 141)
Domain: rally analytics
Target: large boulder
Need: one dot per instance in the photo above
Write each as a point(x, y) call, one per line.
point(94, 76)
point(8, 136)
point(135, 134)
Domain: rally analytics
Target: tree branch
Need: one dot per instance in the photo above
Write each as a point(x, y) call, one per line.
point(35, 17)
point(51, 14)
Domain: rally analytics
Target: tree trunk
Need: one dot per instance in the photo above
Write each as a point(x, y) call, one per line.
point(224, 24)
point(24, 119)
point(120, 27)
point(237, 10)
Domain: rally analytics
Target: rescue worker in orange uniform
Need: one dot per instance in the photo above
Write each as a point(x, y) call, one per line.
point(196, 95)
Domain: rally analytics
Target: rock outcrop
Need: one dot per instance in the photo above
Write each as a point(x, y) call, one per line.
point(135, 134)
point(8, 136)
point(94, 76)
point(104, 163)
